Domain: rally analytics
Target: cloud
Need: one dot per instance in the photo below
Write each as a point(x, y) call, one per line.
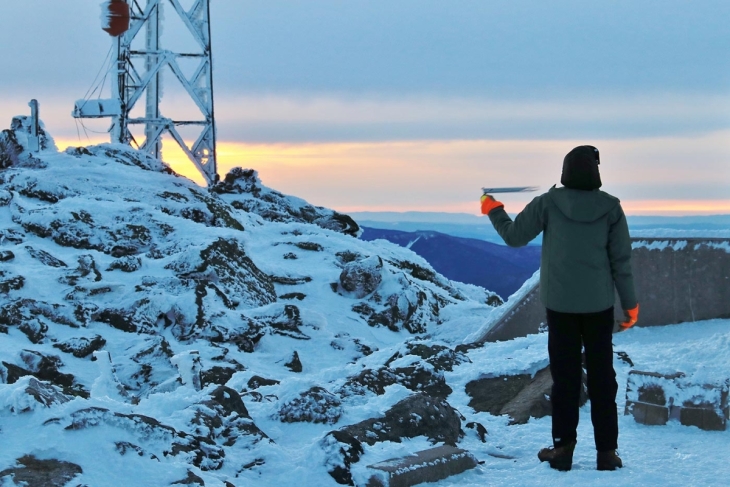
point(282, 118)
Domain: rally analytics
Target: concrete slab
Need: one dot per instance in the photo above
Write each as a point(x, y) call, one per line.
point(649, 414)
point(655, 399)
point(533, 400)
point(424, 466)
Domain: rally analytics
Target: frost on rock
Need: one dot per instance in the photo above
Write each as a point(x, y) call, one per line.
point(14, 144)
point(416, 415)
point(146, 365)
point(243, 189)
point(109, 257)
point(225, 269)
point(34, 318)
point(159, 438)
point(408, 296)
point(316, 405)
point(28, 394)
point(30, 470)
point(418, 378)
point(107, 384)
point(122, 154)
point(223, 419)
point(279, 319)
point(43, 367)
point(361, 278)
point(10, 282)
point(417, 366)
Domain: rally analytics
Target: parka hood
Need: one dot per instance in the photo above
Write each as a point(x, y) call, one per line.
point(582, 206)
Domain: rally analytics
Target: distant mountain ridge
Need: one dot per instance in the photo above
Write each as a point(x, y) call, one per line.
point(495, 267)
point(472, 226)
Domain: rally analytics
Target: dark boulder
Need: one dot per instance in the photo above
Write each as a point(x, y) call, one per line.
point(519, 396)
point(226, 418)
point(44, 367)
point(417, 377)
point(362, 277)
point(294, 364)
point(127, 263)
point(47, 473)
point(316, 405)
point(493, 393)
point(44, 257)
point(81, 347)
point(219, 375)
point(243, 189)
point(190, 479)
point(478, 429)
point(416, 415)
point(10, 282)
point(256, 381)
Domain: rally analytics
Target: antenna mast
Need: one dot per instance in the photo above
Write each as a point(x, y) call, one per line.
point(137, 72)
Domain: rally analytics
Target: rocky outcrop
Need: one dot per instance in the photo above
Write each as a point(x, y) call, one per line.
point(316, 405)
point(122, 154)
point(424, 375)
point(170, 289)
point(45, 368)
point(520, 396)
point(417, 415)
point(48, 473)
point(81, 347)
point(242, 188)
point(362, 277)
point(14, 144)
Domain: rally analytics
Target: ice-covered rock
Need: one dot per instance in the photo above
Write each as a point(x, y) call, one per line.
point(30, 470)
point(362, 277)
point(417, 415)
point(107, 253)
point(242, 188)
point(106, 384)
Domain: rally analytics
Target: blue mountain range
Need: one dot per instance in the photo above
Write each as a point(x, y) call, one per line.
point(498, 268)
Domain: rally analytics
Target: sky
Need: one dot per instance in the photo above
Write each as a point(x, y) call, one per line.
point(414, 105)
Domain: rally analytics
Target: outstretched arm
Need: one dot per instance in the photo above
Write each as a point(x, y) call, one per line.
point(526, 226)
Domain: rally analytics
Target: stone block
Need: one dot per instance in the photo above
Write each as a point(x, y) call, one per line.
point(706, 419)
point(533, 400)
point(654, 399)
point(424, 466)
point(649, 414)
point(652, 394)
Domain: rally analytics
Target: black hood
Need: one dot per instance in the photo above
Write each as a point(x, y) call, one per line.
point(580, 169)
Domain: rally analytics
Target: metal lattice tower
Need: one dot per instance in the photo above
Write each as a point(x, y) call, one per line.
point(138, 72)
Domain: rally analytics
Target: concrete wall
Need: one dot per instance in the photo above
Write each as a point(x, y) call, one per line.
point(677, 280)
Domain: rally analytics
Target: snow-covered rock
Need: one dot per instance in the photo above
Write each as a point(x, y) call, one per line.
point(192, 301)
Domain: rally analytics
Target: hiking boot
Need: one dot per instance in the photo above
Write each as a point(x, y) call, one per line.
point(608, 460)
point(560, 458)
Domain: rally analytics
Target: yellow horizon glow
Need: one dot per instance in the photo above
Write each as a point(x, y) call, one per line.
point(353, 176)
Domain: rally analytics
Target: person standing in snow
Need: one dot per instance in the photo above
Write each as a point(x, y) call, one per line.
point(586, 252)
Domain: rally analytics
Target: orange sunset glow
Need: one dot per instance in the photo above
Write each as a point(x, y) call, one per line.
point(405, 175)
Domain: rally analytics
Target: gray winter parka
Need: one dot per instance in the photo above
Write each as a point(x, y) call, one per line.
point(586, 249)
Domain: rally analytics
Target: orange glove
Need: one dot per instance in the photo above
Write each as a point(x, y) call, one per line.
point(630, 317)
point(489, 204)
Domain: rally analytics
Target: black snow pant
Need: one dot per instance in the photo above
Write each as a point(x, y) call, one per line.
point(566, 333)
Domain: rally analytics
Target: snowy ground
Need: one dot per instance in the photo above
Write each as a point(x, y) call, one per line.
point(672, 455)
